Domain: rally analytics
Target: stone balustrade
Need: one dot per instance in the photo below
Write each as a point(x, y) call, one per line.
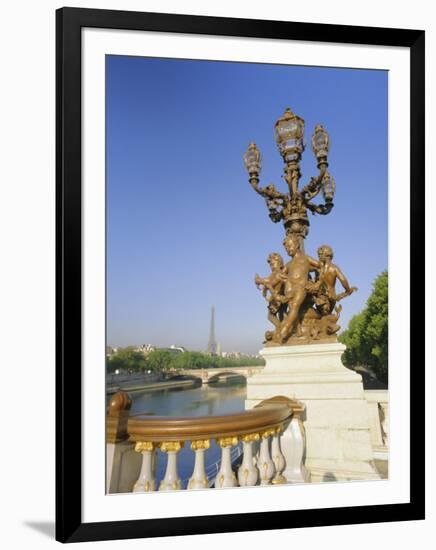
point(378, 412)
point(271, 436)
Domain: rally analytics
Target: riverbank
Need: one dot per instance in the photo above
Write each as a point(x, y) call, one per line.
point(152, 386)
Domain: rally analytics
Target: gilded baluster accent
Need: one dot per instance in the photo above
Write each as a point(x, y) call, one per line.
point(248, 473)
point(199, 479)
point(225, 476)
point(146, 481)
point(264, 463)
point(277, 457)
point(171, 480)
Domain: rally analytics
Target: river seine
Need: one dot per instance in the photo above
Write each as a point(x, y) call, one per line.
point(215, 399)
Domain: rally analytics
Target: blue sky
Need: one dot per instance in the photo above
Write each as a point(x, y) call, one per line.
point(185, 230)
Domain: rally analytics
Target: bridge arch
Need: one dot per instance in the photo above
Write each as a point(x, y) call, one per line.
point(226, 373)
point(205, 375)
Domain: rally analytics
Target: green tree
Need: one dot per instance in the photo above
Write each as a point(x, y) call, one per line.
point(160, 360)
point(367, 335)
point(198, 360)
point(194, 360)
point(127, 359)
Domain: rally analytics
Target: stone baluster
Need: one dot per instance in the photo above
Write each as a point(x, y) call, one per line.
point(384, 421)
point(199, 479)
point(293, 445)
point(146, 481)
point(248, 473)
point(264, 463)
point(225, 476)
point(277, 457)
point(171, 480)
point(154, 462)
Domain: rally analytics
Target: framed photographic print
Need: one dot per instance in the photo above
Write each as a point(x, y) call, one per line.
point(240, 232)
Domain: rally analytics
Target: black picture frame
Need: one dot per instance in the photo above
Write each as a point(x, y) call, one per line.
point(69, 22)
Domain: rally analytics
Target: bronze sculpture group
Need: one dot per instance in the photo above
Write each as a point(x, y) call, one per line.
point(301, 294)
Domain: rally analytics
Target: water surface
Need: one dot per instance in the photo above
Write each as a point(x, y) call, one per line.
point(219, 398)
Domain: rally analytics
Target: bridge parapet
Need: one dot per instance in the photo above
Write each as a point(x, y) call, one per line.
point(265, 460)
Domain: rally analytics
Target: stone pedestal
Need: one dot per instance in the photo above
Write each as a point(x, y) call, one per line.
point(338, 441)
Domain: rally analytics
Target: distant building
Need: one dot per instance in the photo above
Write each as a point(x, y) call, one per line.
point(145, 348)
point(148, 348)
point(177, 349)
point(232, 354)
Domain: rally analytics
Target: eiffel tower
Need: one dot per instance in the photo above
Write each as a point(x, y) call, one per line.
point(212, 346)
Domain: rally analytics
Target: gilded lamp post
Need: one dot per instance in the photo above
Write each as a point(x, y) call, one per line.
point(292, 207)
point(301, 294)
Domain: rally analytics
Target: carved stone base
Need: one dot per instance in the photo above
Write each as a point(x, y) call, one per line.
point(302, 341)
point(338, 441)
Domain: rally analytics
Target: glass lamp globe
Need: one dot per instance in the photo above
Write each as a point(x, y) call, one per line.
point(329, 188)
point(252, 159)
point(320, 142)
point(289, 132)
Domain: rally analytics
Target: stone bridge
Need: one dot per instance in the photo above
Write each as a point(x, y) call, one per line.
point(206, 375)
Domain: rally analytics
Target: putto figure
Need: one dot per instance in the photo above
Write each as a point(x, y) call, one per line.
point(296, 288)
point(274, 284)
point(328, 274)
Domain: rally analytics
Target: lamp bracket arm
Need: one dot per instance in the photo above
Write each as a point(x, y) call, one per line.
point(309, 193)
point(314, 186)
point(322, 209)
point(269, 192)
point(254, 182)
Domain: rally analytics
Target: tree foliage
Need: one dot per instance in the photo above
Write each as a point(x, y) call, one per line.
point(127, 359)
point(367, 335)
point(162, 360)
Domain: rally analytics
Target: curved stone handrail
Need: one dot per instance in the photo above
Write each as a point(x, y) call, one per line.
point(266, 415)
point(272, 426)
